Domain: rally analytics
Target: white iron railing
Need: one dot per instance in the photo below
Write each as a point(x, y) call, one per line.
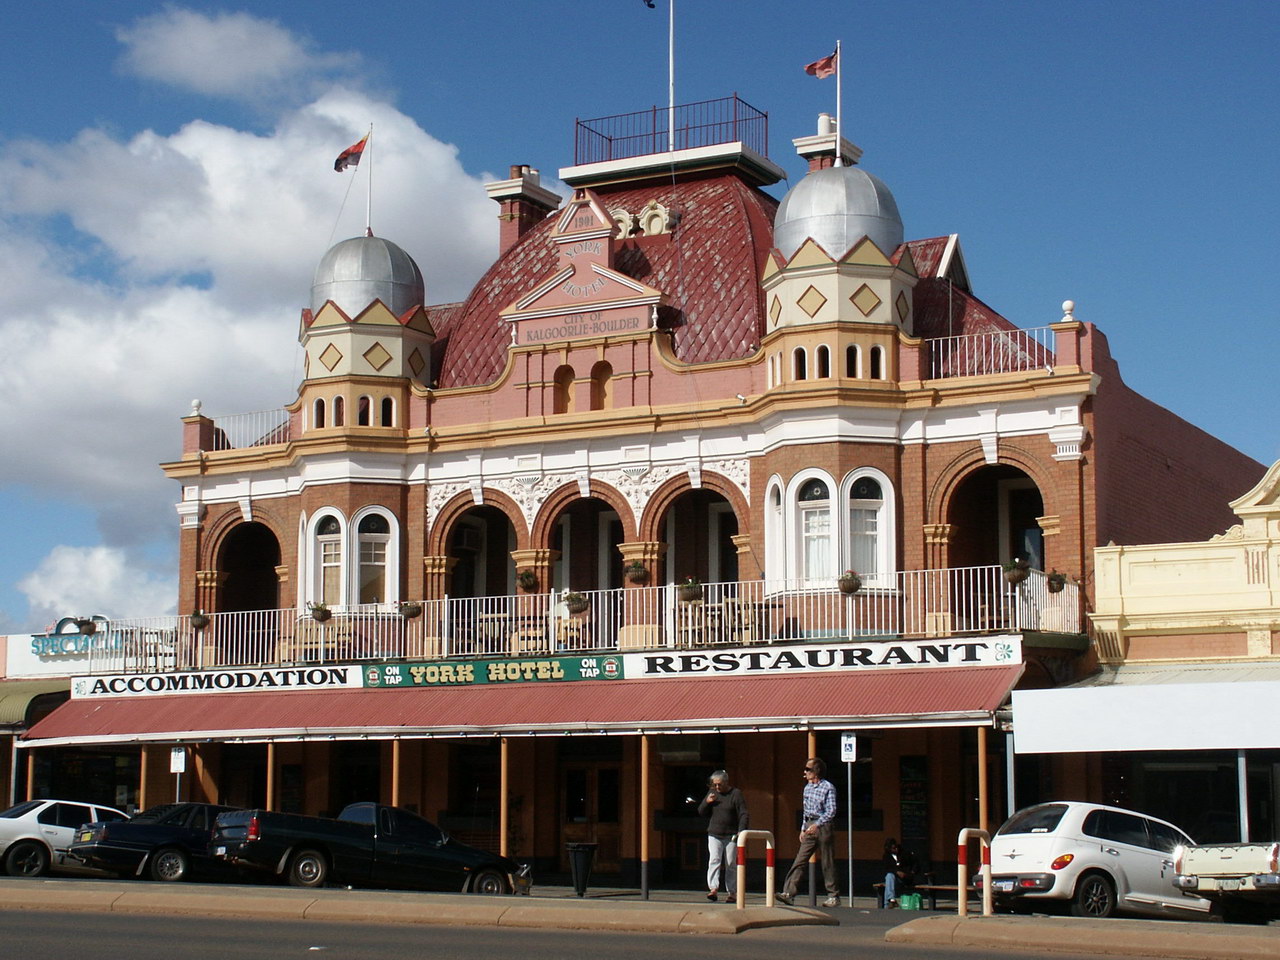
point(912, 603)
point(251, 429)
point(1002, 351)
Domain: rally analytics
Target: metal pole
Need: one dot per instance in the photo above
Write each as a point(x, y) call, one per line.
point(1242, 778)
point(812, 745)
point(644, 816)
point(13, 772)
point(839, 111)
point(671, 75)
point(848, 802)
point(1010, 771)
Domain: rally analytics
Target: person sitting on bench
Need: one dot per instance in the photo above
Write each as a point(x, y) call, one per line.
point(899, 872)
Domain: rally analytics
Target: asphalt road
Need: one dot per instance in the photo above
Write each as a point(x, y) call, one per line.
point(39, 935)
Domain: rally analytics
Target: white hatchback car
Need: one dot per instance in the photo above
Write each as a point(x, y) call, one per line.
point(36, 833)
point(1099, 859)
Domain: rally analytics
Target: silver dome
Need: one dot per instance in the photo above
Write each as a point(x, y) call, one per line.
point(358, 271)
point(837, 207)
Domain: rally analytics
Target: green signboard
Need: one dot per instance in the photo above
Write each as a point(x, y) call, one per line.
point(467, 673)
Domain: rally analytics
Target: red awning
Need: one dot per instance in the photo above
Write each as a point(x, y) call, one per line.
point(966, 696)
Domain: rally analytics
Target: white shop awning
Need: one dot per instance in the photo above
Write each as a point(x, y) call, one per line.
point(1153, 707)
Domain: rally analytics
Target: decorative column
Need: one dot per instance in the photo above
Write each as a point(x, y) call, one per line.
point(436, 571)
point(933, 584)
point(282, 586)
point(541, 562)
point(208, 582)
point(650, 553)
point(749, 567)
point(937, 544)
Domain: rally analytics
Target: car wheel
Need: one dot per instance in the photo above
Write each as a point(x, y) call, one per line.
point(1095, 896)
point(489, 882)
point(308, 868)
point(170, 865)
point(27, 859)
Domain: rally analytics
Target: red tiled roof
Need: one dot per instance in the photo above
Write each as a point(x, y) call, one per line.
point(709, 266)
point(874, 698)
point(927, 254)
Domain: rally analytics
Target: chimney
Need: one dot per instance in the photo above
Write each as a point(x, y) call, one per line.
point(820, 150)
point(524, 202)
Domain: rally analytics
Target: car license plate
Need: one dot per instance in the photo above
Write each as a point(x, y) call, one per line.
point(1002, 886)
point(1228, 883)
point(219, 851)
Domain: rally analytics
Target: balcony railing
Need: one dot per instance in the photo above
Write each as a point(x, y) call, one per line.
point(916, 603)
point(980, 354)
point(256, 429)
point(703, 124)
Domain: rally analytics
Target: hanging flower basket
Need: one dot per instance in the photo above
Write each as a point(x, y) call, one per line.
point(575, 602)
point(849, 582)
point(690, 590)
point(320, 613)
point(637, 572)
point(199, 620)
point(527, 581)
point(1016, 570)
point(409, 610)
point(1055, 582)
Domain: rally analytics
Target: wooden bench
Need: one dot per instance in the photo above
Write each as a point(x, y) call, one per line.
point(931, 890)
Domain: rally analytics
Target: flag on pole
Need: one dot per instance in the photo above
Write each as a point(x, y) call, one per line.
point(350, 157)
point(826, 67)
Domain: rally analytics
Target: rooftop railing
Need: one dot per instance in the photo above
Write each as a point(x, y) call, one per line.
point(257, 429)
point(981, 354)
point(702, 124)
point(915, 603)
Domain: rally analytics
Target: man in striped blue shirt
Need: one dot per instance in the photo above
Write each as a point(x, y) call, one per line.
point(817, 832)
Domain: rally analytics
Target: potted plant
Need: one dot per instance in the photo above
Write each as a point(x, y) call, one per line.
point(1055, 582)
point(849, 582)
point(1016, 570)
point(410, 609)
point(199, 620)
point(636, 572)
point(527, 580)
point(575, 602)
point(690, 589)
point(320, 612)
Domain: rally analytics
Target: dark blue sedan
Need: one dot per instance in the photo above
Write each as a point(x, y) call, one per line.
point(168, 843)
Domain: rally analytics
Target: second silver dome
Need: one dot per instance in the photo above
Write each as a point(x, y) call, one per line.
point(837, 207)
point(358, 271)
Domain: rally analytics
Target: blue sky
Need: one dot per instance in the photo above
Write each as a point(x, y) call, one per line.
point(168, 190)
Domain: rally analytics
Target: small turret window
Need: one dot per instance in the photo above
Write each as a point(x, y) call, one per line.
point(362, 414)
point(852, 362)
point(877, 363)
point(799, 364)
point(339, 412)
point(317, 415)
point(388, 412)
point(824, 362)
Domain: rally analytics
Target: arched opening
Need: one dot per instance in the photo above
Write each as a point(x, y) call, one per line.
point(852, 361)
point(247, 561)
point(317, 414)
point(562, 390)
point(799, 365)
point(587, 533)
point(994, 512)
point(364, 411)
point(824, 362)
point(877, 363)
point(388, 412)
point(699, 527)
point(481, 542)
point(339, 412)
point(602, 386)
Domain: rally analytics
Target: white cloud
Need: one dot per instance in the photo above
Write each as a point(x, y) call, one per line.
point(84, 581)
point(232, 55)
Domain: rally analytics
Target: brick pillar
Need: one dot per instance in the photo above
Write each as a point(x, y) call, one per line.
point(283, 596)
point(540, 561)
point(937, 544)
point(749, 566)
point(524, 201)
point(647, 552)
point(208, 583)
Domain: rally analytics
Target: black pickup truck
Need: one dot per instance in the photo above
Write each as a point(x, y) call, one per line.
point(369, 845)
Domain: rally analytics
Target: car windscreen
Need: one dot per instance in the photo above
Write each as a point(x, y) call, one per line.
point(25, 807)
point(1041, 819)
point(160, 814)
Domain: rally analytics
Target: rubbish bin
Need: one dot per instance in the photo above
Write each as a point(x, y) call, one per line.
point(580, 857)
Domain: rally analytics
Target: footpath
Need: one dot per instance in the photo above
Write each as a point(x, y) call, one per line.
point(667, 911)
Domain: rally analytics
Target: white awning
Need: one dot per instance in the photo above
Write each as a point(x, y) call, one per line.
point(1153, 707)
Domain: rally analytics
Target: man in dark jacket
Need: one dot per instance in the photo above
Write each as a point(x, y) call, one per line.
point(727, 810)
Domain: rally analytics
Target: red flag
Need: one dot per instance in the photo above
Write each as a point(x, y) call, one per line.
point(826, 67)
point(350, 157)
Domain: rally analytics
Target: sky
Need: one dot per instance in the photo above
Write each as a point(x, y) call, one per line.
point(167, 188)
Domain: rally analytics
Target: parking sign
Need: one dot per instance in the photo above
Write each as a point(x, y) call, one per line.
point(848, 747)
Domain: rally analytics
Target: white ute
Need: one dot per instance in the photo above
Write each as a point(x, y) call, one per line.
point(1243, 879)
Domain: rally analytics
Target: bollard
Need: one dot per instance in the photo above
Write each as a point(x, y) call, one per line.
point(770, 886)
point(962, 863)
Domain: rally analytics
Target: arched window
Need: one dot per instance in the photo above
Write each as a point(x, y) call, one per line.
point(865, 503)
point(388, 412)
point(562, 391)
point(852, 361)
point(329, 559)
point(774, 532)
point(799, 364)
point(374, 532)
point(363, 412)
point(824, 362)
point(339, 412)
point(601, 386)
point(877, 363)
point(317, 416)
point(814, 502)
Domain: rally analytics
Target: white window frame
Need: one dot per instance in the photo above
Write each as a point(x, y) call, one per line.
point(886, 528)
point(795, 553)
point(391, 566)
point(315, 576)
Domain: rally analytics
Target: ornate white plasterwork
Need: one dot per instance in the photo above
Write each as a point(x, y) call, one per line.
point(438, 494)
point(636, 487)
point(737, 469)
point(528, 492)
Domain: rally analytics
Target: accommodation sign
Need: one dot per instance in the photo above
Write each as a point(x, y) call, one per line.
point(273, 680)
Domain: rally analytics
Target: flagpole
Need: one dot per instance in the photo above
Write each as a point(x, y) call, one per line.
point(839, 112)
point(368, 189)
point(671, 75)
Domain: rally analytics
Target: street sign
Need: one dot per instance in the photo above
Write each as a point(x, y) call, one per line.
point(178, 760)
point(848, 747)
